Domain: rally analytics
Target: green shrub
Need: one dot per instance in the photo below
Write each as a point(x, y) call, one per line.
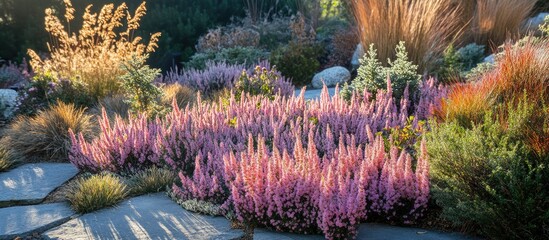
point(331, 27)
point(234, 55)
point(99, 191)
point(37, 95)
point(372, 76)
point(471, 55)
point(298, 61)
point(46, 89)
point(274, 32)
point(486, 177)
point(450, 64)
point(260, 82)
point(369, 75)
point(139, 85)
point(402, 72)
point(46, 135)
point(456, 64)
point(151, 180)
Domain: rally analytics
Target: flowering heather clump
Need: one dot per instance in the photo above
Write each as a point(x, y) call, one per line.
point(430, 98)
point(278, 180)
point(206, 184)
point(303, 192)
point(12, 75)
point(219, 76)
point(182, 135)
point(279, 191)
point(215, 77)
point(121, 146)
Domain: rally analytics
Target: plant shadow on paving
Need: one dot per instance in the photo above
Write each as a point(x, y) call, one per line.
point(143, 218)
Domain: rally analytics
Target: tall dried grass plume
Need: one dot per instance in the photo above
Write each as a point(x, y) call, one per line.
point(93, 54)
point(494, 21)
point(427, 27)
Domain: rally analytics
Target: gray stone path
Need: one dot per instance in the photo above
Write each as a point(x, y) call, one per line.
point(145, 217)
point(24, 220)
point(31, 183)
point(262, 234)
point(369, 231)
point(386, 232)
point(314, 93)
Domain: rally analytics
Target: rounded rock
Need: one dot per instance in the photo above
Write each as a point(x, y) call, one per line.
point(331, 77)
point(8, 102)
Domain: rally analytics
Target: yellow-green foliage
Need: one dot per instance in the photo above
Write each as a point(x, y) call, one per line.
point(93, 55)
point(114, 106)
point(7, 159)
point(96, 192)
point(183, 95)
point(151, 180)
point(544, 28)
point(45, 135)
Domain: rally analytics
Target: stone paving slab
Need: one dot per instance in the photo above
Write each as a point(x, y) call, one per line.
point(31, 183)
point(387, 232)
point(24, 220)
point(369, 231)
point(263, 234)
point(145, 217)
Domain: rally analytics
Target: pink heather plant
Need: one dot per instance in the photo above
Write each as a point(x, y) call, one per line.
point(218, 76)
point(302, 192)
point(120, 147)
point(206, 183)
point(276, 190)
point(215, 77)
point(318, 165)
point(430, 98)
point(13, 76)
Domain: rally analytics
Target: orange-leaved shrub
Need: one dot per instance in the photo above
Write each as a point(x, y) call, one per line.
point(519, 71)
point(92, 56)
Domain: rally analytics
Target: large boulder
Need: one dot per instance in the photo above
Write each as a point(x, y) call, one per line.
point(331, 77)
point(534, 23)
point(8, 103)
point(357, 55)
point(490, 59)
